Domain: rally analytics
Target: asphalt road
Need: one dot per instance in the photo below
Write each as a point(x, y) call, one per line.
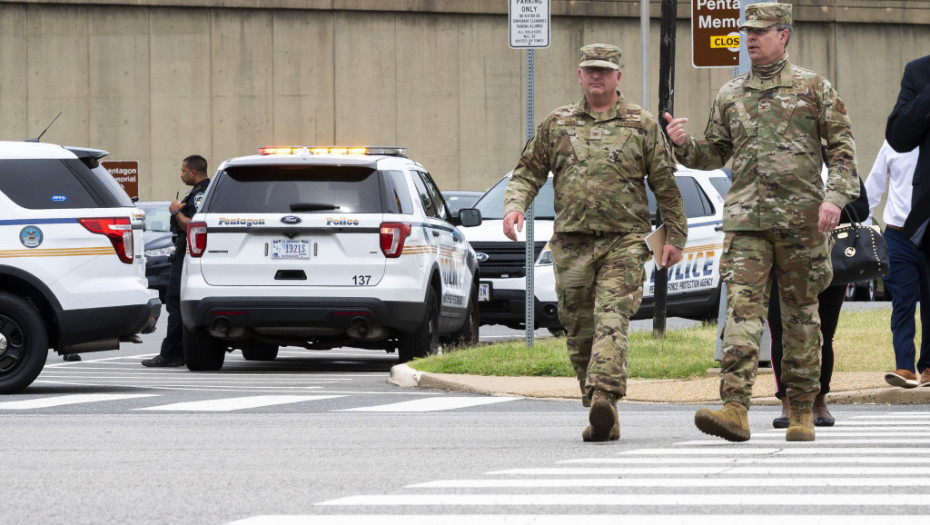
point(322, 438)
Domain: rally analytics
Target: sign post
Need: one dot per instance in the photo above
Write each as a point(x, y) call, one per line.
point(529, 29)
point(715, 33)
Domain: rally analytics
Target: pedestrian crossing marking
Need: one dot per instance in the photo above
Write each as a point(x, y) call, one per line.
point(70, 399)
point(903, 452)
point(631, 500)
point(834, 460)
point(432, 404)
point(675, 482)
point(647, 471)
point(235, 403)
point(562, 519)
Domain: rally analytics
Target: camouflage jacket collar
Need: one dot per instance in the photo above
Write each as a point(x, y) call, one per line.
point(619, 110)
point(785, 78)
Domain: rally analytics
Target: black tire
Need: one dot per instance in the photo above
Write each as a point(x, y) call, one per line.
point(468, 334)
point(23, 344)
point(867, 293)
point(202, 351)
point(258, 351)
point(424, 340)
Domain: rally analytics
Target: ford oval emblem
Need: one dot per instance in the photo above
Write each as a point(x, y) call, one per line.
point(482, 257)
point(290, 219)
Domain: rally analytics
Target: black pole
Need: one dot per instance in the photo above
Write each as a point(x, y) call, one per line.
point(666, 103)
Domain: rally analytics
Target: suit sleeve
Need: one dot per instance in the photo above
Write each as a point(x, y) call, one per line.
point(909, 121)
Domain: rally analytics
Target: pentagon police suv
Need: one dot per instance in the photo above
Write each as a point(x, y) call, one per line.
point(72, 273)
point(322, 248)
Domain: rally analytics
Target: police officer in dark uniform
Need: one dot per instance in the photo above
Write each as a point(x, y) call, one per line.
point(193, 173)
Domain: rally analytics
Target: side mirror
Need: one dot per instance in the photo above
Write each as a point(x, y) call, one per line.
point(469, 217)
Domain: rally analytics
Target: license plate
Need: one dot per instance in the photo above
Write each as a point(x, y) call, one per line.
point(287, 249)
point(484, 292)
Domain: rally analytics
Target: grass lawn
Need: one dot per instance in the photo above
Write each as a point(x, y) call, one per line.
point(862, 344)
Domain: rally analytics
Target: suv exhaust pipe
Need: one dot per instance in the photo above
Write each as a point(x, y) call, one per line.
point(361, 328)
point(223, 328)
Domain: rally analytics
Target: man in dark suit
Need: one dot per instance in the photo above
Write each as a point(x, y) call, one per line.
point(908, 128)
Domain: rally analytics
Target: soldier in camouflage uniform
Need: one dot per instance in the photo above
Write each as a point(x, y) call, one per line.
point(601, 150)
point(772, 121)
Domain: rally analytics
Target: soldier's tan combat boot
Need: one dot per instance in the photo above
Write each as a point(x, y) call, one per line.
point(605, 423)
point(730, 422)
point(800, 424)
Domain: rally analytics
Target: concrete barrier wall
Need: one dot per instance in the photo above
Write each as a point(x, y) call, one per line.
point(158, 80)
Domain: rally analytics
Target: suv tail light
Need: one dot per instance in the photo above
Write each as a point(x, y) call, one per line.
point(118, 230)
point(393, 235)
point(197, 238)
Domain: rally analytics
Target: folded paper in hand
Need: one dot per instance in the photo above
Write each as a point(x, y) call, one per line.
point(655, 242)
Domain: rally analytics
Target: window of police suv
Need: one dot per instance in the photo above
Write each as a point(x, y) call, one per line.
point(53, 184)
point(289, 189)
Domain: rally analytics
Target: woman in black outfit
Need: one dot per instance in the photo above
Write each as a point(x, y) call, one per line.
point(831, 301)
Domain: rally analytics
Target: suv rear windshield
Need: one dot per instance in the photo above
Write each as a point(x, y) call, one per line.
point(289, 189)
point(53, 184)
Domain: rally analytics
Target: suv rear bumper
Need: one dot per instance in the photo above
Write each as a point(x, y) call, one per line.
point(94, 324)
point(325, 313)
point(507, 307)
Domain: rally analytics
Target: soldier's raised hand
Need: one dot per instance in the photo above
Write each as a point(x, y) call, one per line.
point(675, 129)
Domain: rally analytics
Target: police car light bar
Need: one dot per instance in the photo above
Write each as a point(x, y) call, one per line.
point(395, 151)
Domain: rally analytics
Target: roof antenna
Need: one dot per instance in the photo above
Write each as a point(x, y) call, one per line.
point(46, 129)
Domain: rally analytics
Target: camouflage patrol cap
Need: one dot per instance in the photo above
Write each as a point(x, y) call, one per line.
point(766, 15)
point(601, 55)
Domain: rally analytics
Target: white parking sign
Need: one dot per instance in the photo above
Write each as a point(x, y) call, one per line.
point(529, 24)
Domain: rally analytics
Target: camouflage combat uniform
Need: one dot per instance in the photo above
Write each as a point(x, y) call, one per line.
point(600, 162)
point(773, 131)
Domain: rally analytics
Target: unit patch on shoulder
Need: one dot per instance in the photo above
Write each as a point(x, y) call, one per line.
point(31, 236)
point(840, 106)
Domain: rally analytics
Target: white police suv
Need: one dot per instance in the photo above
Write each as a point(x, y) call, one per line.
point(72, 272)
point(322, 248)
point(693, 283)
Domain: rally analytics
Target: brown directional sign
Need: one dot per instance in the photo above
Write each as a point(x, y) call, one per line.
point(715, 33)
point(126, 173)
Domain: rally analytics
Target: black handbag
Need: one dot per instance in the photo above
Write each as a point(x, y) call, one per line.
point(859, 252)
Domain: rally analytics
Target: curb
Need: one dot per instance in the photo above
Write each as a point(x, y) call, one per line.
point(405, 377)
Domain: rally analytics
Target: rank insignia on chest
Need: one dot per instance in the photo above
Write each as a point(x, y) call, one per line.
point(764, 104)
point(598, 134)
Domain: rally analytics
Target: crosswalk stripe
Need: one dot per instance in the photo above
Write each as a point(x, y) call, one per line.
point(855, 433)
point(235, 403)
point(911, 500)
point(895, 415)
point(631, 471)
point(904, 452)
point(888, 422)
point(562, 519)
point(822, 441)
point(675, 482)
point(71, 399)
point(834, 460)
point(431, 404)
